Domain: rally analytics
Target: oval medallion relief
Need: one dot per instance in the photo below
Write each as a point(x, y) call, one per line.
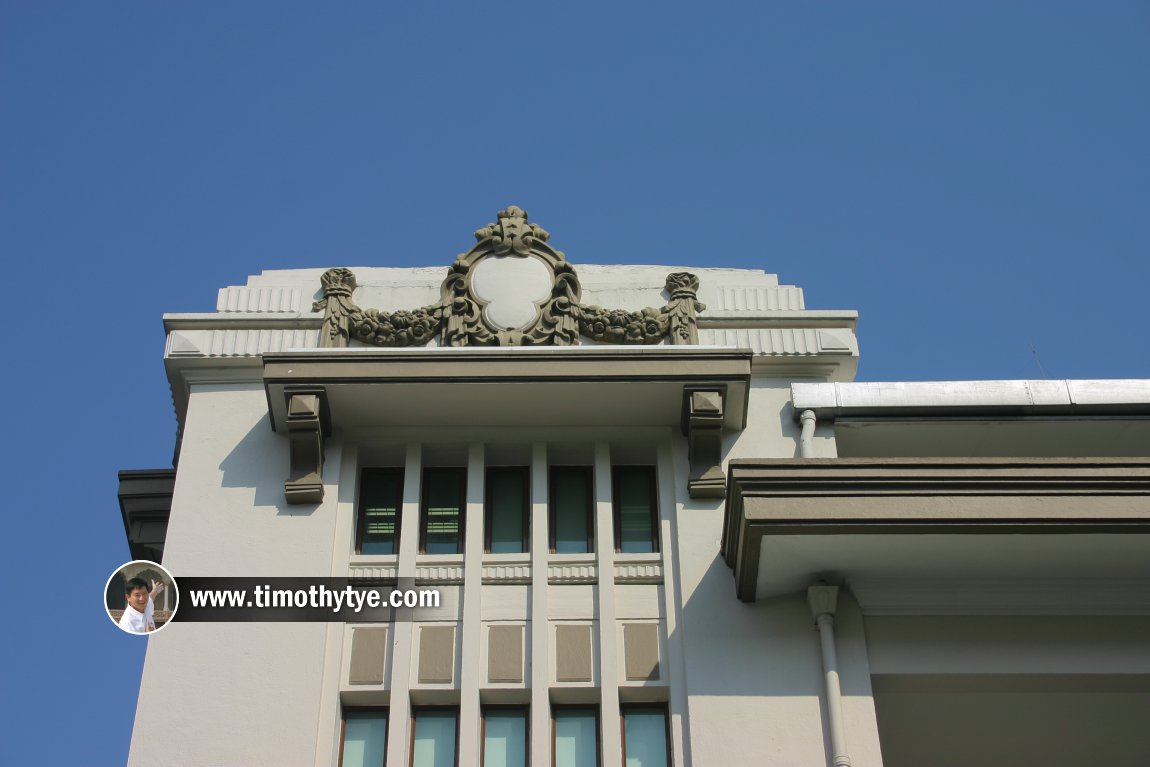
point(513, 287)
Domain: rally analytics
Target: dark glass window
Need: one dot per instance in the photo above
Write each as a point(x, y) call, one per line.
point(364, 742)
point(636, 514)
point(575, 736)
point(505, 737)
point(645, 736)
point(572, 509)
point(380, 504)
point(506, 510)
point(441, 513)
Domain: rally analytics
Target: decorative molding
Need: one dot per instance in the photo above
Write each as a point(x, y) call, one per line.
point(374, 573)
point(774, 299)
point(269, 299)
point(575, 572)
point(643, 571)
point(239, 342)
point(442, 574)
point(306, 414)
point(459, 317)
point(506, 573)
point(703, 427)
point(779, 342)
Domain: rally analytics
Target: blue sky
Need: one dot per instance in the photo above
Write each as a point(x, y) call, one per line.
point(973, 177)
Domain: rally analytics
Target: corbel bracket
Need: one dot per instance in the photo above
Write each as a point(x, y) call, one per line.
point(702, 425)
point(307, 425)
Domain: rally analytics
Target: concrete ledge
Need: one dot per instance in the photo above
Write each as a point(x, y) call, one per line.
point(932, 518)
point(1021, 397)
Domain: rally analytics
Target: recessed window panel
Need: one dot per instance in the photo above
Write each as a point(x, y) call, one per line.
point(442, 511)
point(364, 739)
point(572, 505)
point(576, 737)
point(505, 737)
point(635, 509)
point(380, 502)
point(433, 738)
point(645, 737)
point(507, 509)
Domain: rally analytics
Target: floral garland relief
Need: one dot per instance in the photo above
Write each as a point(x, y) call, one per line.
point(456, 312)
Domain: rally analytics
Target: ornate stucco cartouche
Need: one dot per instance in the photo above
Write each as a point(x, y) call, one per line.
point(459, 319)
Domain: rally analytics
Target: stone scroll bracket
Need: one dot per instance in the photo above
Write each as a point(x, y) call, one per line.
point(702, 425)
point(308, 422)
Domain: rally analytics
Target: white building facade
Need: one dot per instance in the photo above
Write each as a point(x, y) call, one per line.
point(664, 524)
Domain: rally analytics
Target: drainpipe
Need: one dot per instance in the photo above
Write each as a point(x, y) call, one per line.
point(807, 436)
point(822, 601)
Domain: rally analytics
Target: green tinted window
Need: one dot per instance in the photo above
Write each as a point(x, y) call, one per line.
point(434, 742)
point(364, 739)
point(635, 513)
point(645, 737)
point(507, 505)
point(380, 501)
point(505, 738)
point(443, 491)
point(576, 737)
point(571, 509)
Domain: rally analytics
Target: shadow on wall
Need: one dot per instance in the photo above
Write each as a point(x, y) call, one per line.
point(735, 648)
point(768, 647)
point(261, 461)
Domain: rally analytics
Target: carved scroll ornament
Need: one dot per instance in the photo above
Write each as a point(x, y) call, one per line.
point(459, 314)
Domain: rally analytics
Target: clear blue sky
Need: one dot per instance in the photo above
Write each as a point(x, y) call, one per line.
point(973, 177)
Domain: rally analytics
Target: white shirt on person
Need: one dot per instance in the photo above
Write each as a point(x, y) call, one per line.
point(138, 622)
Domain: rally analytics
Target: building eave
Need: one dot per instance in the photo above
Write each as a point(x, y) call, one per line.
point(791, 521)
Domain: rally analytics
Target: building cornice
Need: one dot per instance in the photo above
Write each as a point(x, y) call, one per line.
point(952, 505)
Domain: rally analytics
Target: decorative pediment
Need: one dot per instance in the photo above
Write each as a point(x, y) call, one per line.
point(511, 289)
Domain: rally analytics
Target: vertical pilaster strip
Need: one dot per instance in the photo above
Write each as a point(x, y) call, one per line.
point(327, 744)
point(540, 626)
point(610, 737)
point(676, 670)
point(823, 601)
point(471, 667)
point(399, 714)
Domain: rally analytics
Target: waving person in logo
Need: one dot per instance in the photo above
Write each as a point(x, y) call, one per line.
point(137, 617)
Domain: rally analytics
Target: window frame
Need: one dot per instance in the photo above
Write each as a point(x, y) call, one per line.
point(588, 473)
point(616, 506)
point(489, 506)
point(598, 729)
point(414, 715)
point(361, 509)
point(345, 710)
point(423, 505)
point(505, 707)
point(661, 708)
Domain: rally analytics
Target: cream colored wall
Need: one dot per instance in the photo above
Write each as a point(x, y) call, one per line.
point(235, 693)
point(743, 681)
point(754, 671)
point(751, 673)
